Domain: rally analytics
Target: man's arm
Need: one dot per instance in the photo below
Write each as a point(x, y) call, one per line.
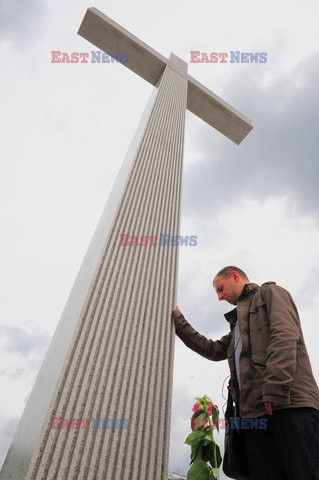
point(282, 348)
point(210, 349)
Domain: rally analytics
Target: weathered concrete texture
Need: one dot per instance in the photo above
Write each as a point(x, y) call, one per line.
point(110, 37)
point(120, 361)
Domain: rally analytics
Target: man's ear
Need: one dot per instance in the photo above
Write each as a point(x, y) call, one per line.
point(235, 275)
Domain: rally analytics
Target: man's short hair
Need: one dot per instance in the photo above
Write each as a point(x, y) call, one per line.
point(226, 272)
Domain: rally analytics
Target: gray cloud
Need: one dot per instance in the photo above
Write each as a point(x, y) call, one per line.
point(16, 340)
point(307, 294)
point(20, 20)
point(279, 157)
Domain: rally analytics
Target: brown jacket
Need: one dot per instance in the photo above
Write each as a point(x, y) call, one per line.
point(274, 363)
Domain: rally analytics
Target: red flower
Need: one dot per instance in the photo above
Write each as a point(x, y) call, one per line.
point(195, 407)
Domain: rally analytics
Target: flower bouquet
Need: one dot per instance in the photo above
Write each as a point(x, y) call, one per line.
point(205, 453)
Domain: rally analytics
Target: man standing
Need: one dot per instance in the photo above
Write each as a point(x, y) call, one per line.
point(271, 375)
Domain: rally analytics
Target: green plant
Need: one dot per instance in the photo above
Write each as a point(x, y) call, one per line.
point(205, 453)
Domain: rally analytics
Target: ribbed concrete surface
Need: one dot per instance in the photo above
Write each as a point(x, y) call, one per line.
point(121, 361)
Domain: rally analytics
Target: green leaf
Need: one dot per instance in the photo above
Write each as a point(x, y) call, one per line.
point(199, 422)
point(193, 454)
point(218, 456)
point(199, 471)
point(215, 416)
point(208, 439)
point(199, 412)
point(208, 455)
point(194, 438)
point(196, 452)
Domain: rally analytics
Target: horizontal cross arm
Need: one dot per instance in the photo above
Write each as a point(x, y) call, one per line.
point(110, 37)
point(216, 112)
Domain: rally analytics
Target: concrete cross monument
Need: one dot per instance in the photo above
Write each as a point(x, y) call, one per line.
point(101, 404)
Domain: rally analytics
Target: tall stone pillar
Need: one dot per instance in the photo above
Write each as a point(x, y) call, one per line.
point(120, 360)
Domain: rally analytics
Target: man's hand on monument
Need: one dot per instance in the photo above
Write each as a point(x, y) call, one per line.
point(176, 312)
point(269, 406)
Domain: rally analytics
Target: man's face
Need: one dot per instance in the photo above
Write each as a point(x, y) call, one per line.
point(230, 288)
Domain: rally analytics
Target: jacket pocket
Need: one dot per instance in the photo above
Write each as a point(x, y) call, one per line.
point(259, 331)
point(258, 319)
point(258, 364)
point(259, 360)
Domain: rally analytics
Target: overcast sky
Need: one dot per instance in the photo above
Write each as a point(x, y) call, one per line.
point(65, 129)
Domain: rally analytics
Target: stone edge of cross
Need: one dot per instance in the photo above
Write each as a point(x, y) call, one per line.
point(110, 37)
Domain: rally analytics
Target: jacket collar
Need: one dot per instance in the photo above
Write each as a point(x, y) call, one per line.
point(231, 317)
point(248, 289)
